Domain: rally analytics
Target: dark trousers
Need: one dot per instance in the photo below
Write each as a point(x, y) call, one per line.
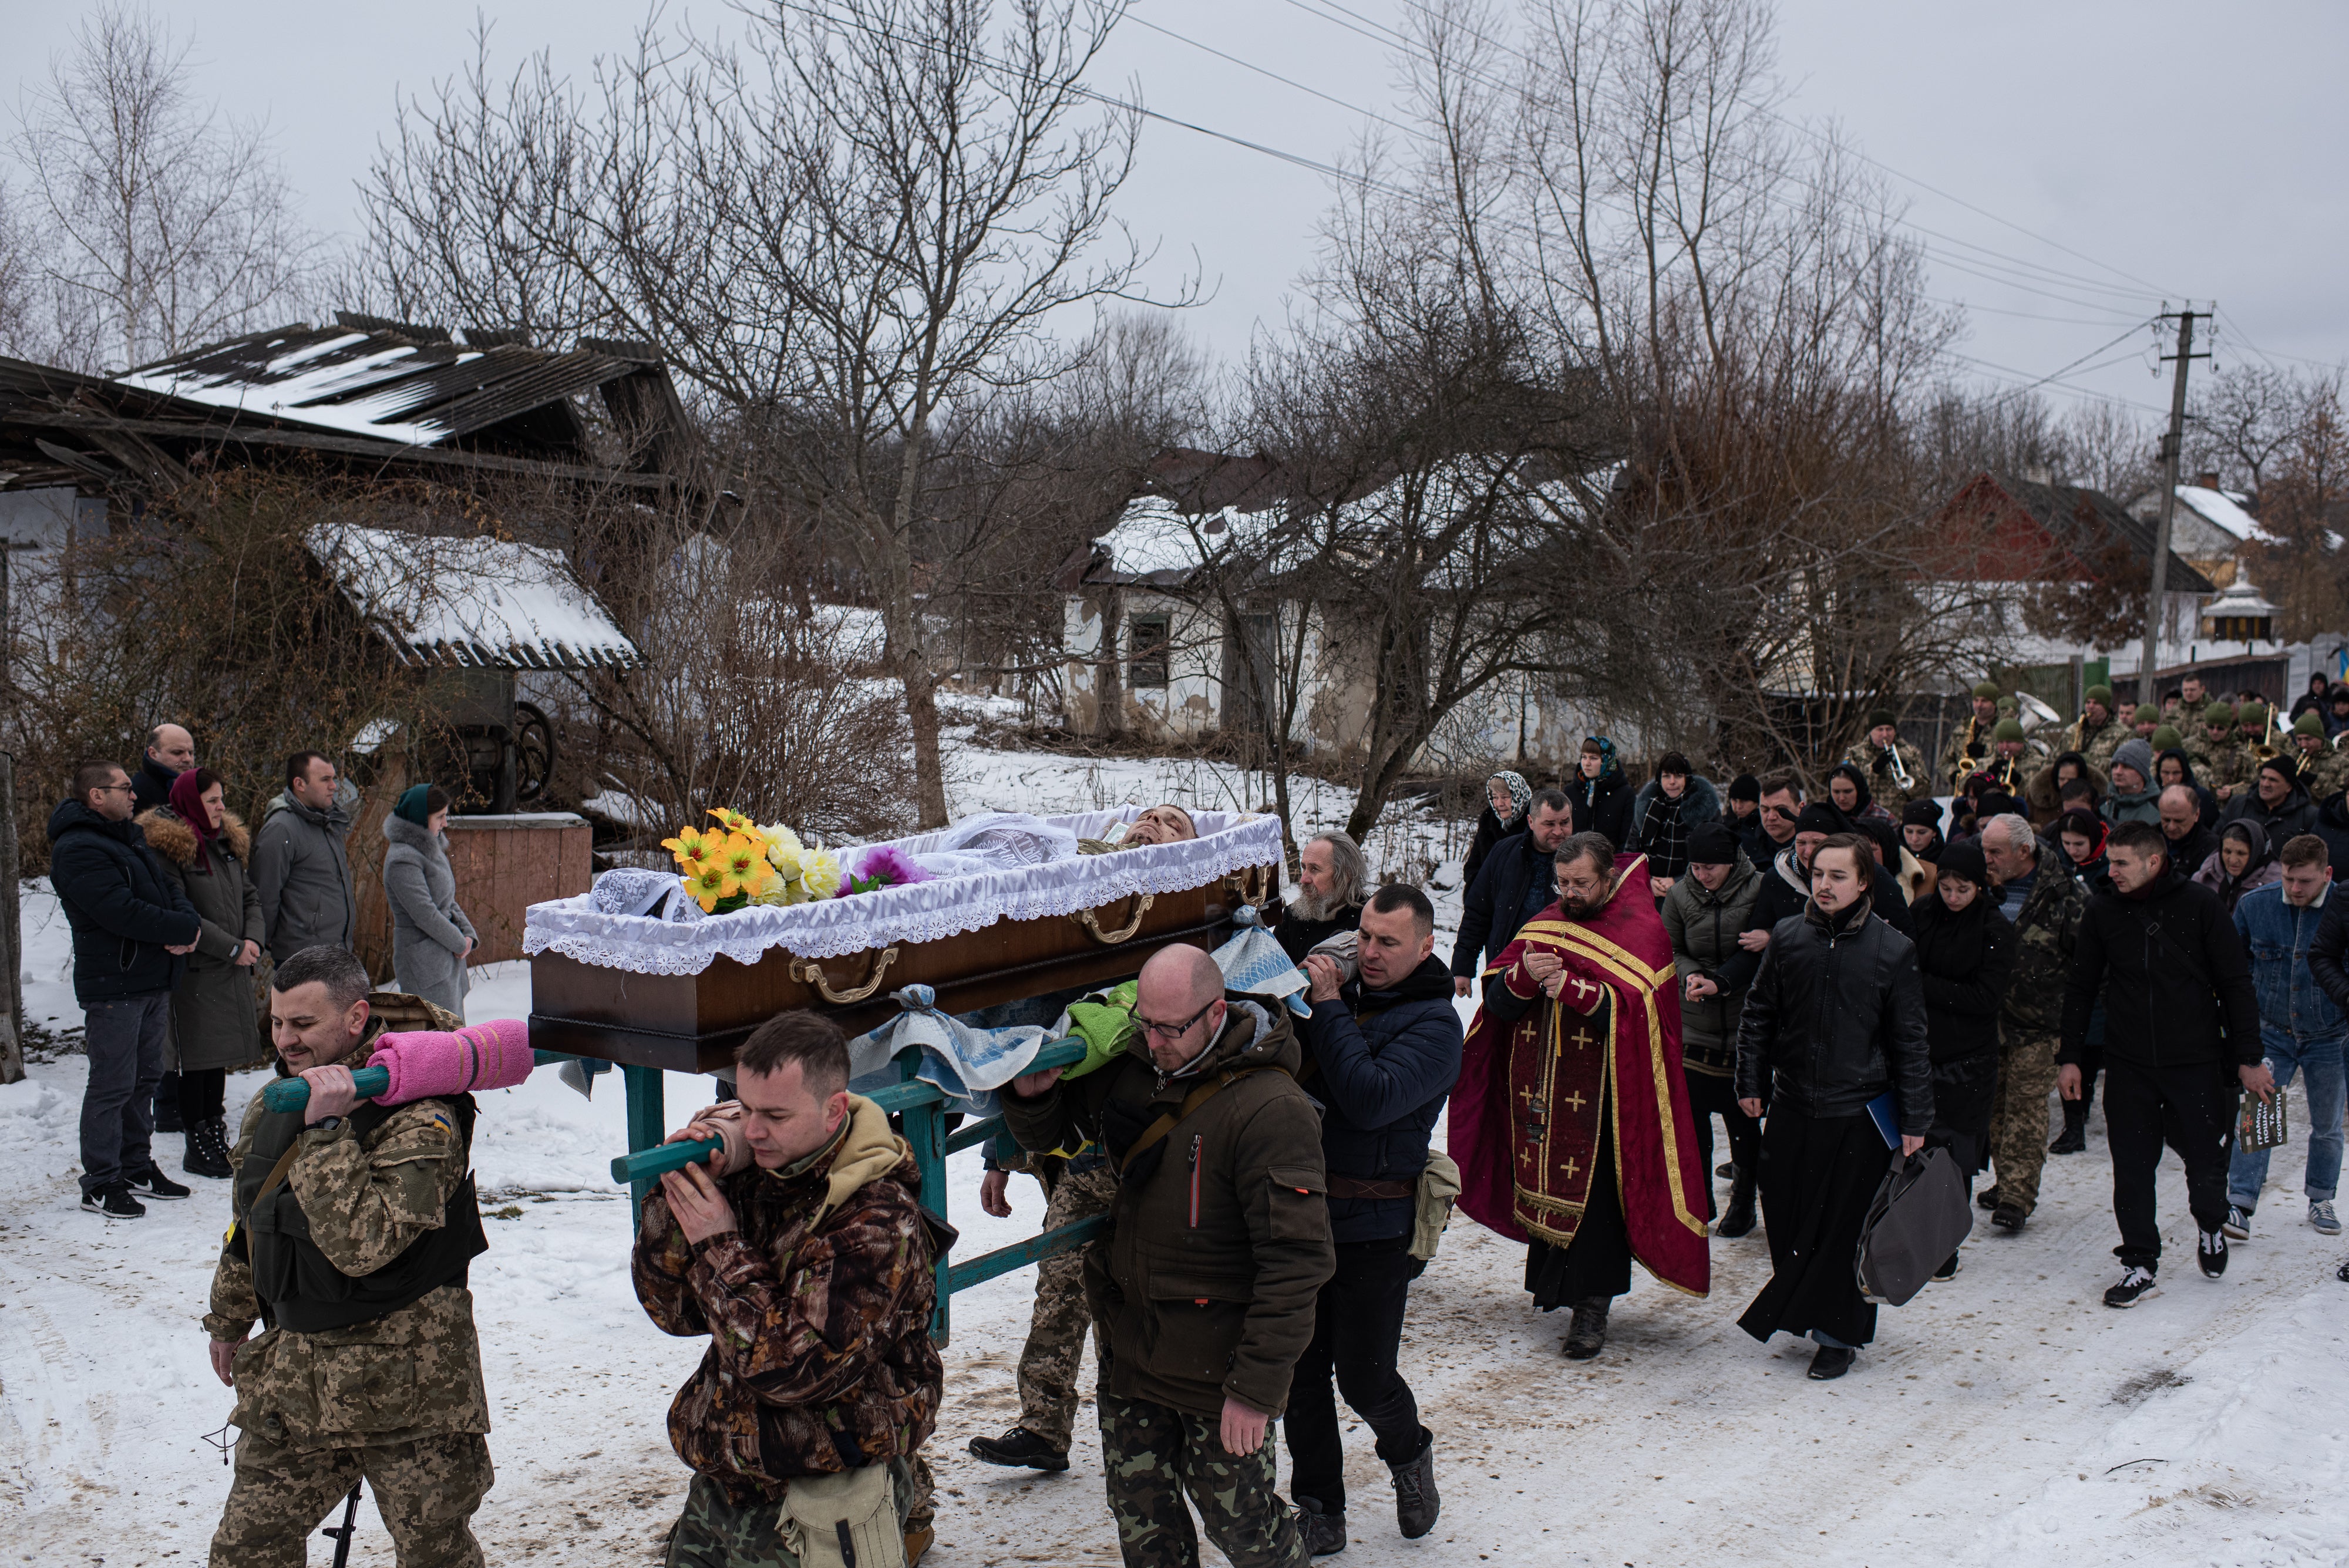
point(2191, 1110)
point(125, 1041)
point(1715, 1094)
point(1357, 1334)
point(203, 1095)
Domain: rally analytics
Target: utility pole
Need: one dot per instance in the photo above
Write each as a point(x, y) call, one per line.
point(2172, 448)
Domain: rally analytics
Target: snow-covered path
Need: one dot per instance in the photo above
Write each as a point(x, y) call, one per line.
point(2004, 1418)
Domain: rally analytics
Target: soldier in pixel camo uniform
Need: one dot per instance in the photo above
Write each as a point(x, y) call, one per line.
point(354, 1225)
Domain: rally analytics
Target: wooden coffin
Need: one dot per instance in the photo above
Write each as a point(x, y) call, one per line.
point(691, 1022)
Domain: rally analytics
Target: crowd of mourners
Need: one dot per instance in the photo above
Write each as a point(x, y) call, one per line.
point(1903, 962)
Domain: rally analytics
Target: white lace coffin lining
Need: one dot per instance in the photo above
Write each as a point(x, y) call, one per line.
point(921, 912)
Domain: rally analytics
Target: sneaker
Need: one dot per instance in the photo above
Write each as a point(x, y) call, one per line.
point(1020, 1447)
point(2137, 1284)
point(2210, 1251)
point(1947, 1271)
point(155, 1184)
point(114, 1201)
point(2322, 1217)
point(2073, 1140)
point(1587, 1336)
point(1986, 1199)
point(2238, 1223)
point(1324, 1534)
point(1832, 1362)
point(1416, 1502)
point(2009, 1217)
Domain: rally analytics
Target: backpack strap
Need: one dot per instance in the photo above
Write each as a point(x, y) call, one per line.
point(1156, 1133)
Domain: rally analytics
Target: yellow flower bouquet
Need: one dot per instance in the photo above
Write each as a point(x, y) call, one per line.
point(740, 863)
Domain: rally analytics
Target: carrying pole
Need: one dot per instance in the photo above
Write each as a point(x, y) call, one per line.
point(2172, 449)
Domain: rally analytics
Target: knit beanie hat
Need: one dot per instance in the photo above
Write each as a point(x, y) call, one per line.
point(2219, 716)
point(1820, 818)
point(2253, 715)
point(411, 806)
point(2101, 694)
point(2134, 753)
point(2008, 730)
point(1965, 860)
point(1879, 718)
point(1745, 786)
point(1713, 845)
point(2308, 724)
point(2146, 714)
point(1986, 691)
point(2283, 765)
point(1921, 813)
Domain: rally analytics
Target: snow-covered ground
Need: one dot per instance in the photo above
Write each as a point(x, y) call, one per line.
point(2004, 1417)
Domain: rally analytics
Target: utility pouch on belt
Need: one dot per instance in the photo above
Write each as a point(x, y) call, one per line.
point(1439, 1187)
point(845, 1521)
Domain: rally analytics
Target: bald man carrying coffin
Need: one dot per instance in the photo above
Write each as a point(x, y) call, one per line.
point(1205, 1287)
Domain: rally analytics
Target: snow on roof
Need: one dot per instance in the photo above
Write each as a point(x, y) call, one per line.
point(1154, 537)
point(2222, 509)
point(290, 391)
point(489, 603)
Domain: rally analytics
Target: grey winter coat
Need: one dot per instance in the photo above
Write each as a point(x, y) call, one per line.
point(304, 875)
point(428, 931)
point(1704, 928)
point(214, 1013)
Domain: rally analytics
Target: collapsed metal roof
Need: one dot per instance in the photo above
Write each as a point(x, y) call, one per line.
point(472, 602)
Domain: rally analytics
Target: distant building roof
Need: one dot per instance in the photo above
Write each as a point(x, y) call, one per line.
point(481, 602)
point(2084, 523)
point(2222, 509)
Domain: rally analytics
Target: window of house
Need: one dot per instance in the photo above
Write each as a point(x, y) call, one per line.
point(1145, 655)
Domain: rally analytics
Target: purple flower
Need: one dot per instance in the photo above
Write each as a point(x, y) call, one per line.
point(884, 866)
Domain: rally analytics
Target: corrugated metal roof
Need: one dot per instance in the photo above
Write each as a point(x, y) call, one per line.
point(481, 602)
point(359, 378)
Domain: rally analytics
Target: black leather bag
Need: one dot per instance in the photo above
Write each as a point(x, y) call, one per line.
point(1919, 1218)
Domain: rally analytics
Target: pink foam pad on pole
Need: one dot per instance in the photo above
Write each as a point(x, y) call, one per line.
point(427, 1062)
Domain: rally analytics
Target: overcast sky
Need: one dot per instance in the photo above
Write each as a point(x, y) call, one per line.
point(2179, 150)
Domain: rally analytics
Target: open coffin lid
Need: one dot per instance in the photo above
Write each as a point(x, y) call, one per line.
point(679, 995)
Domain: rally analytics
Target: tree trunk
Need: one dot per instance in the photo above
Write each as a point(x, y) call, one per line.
point(930, 768)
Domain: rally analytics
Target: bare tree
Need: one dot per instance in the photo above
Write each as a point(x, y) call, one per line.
point(859, 223)
point(2246, 415)
point(160, 223)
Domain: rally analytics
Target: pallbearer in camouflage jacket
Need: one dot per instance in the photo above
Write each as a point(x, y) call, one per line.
point(354, 1224)
point(804, 1256)
point(2045, 901)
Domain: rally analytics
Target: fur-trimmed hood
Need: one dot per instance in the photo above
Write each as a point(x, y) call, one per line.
point(407, 834)
point(176, 841)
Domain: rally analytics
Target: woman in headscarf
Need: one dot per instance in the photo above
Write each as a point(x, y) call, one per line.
point(2245, 860)
point(2080, 834)
point(1602, 802)
point(1506, 795)
point(2173, 766)
point(1848, 788)
point(431, 936)
point(1965, 950)
point(207, 851)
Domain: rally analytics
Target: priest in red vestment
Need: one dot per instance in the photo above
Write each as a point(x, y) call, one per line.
point(1570, 1121)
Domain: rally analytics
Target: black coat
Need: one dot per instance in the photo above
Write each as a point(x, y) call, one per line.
point(2327, 947)
point(1299, 936)
point(1387, 1062)
point(123, 907)
point(2297, 814)
point(1496, 901)
point(1603, 805)
point(151, 786)
point(1835, 1018)
point(1490, 830)
point(1786, 893)
point(1967, 960)
point(2333, 827)
point(2180, 991)
point(2198, 844)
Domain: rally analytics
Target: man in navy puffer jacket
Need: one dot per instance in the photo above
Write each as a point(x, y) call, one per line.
point(1382, 1052)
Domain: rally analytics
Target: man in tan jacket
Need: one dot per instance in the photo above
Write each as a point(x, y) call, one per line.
point(1205, 1285)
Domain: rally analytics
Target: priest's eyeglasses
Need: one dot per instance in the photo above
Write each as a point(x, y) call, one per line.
point(1173, 1031)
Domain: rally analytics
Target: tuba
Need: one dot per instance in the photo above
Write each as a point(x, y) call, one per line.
point(2036, 716)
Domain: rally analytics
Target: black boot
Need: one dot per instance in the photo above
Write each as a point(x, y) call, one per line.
point(2074, 1138)
point(1416, 1504)
point(167, 1105)
point(1738, 1219)
point(207, 1151)
point(1587, 1336)
point(1020, 1448)
point(1324, 1533)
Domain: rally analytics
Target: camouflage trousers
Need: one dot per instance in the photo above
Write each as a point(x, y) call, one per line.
point(1056, 1333)
point(425, 1490)
point(2018, 1113)
point(1153, 1456)
point(714, 1531)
